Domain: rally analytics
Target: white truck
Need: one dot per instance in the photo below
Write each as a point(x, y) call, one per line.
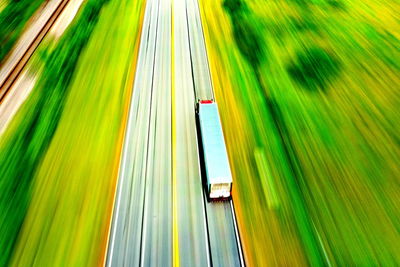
point(218, 172)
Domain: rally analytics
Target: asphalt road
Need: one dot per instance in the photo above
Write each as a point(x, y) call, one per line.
point(139, 210)
point(161, 216)
point(191, 222)
point(225, 247)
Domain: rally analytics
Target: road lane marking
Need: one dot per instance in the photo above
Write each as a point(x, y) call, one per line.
point(175, 236)
point(122, 174)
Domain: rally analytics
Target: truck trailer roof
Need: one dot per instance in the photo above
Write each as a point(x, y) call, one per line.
point(215, 155)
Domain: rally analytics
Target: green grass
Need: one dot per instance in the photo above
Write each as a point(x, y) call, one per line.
point(25, 143)
point(313, 68)
point(317, 87)
point(13, 19)
point(73, 184)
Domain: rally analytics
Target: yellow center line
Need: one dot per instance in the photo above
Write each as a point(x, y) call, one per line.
point(175, 238)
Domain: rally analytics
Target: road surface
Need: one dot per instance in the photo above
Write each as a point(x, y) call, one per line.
point(225, 247)
point(161, 217)
point(141, 229)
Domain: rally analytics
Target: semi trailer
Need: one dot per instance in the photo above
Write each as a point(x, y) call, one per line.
point(216, 164)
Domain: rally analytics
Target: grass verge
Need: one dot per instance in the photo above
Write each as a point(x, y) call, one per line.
point(316, 116)
point(86, 65)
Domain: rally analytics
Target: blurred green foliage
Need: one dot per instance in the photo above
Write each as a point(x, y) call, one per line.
point(303, 24)
point(251, 44)
point(313, 68)
point(74, 183)
point(319, 115)
point(23, 145)
point(338, 4)
point(12, 22)
point(245, 32)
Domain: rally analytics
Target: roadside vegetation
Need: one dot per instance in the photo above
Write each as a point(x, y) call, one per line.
point(314, 145)
point(56, 185)
point(13, 18)
point(30, 138)
point(313, 68)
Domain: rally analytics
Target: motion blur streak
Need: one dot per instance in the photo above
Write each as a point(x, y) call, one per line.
point(14, 17)
point(99, 156)
point(27, 43)
point(22, 81)
point(330, 71)
point(61, 150)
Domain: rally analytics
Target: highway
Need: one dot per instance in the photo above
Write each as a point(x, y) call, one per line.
point(161, 216)
point(136, 208)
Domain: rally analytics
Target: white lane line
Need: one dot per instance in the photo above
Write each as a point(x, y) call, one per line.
point(201, 70)
point(204, 46)
point(150, 140)
point(130, 127)
point(206, 233)
point(133, 248)
point(238, 242)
